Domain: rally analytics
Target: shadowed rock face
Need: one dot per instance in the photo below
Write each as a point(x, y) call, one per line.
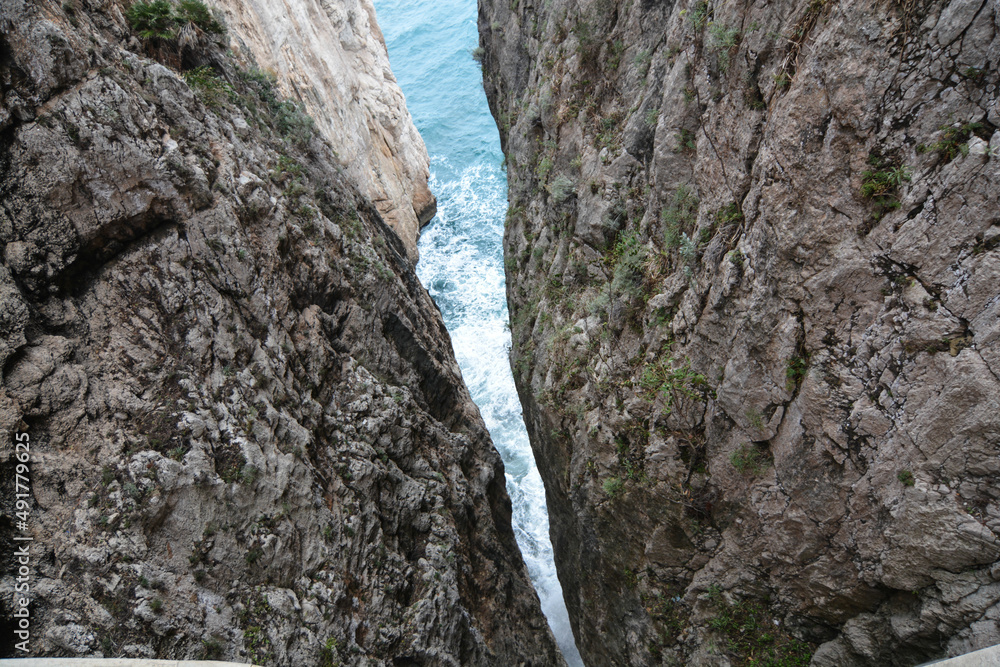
point(753, 275)
point(249, 437)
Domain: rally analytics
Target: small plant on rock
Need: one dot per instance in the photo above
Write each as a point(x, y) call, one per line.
point(755, 418)
point(698, 14)
point(211, 649)
point(954, 140)
point(613, 486)
point(748, 459)
point(795, 370)
point(629, 273)
point(730, 214)
point(329, 655)
point(750, 635)
point(723, 40)
point(561, 188)
point(212, 90)
point(679, 216)
point(881, 183)
point(674, 381)
point(163, 21)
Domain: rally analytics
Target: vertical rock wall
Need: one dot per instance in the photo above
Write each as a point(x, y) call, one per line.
point(753, 270)
point(249, 437)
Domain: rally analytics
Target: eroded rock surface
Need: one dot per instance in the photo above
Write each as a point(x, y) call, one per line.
point(250, 439)
point(753, 271)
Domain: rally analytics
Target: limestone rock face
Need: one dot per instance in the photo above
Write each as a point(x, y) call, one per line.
point(753, 274)
point(331, 55)
point(249, 437)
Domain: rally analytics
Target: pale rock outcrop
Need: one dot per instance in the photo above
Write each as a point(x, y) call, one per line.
point(332, 56)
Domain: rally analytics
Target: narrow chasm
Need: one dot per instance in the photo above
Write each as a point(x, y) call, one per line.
point(434, 53)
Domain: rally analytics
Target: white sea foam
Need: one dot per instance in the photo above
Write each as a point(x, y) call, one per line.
point(461, 263)
point(430, 44)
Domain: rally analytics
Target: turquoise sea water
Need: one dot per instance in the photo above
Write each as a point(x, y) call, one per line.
point(461, 256)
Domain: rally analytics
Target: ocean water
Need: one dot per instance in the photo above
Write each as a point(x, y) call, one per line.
point(430, 46)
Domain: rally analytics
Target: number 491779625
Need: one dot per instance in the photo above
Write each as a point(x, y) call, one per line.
point(22, 483)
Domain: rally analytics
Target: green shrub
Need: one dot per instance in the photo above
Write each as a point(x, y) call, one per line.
point(954, 140)
point(698, 14)
point(264, 103)
point(673, 381)
point(211, 649)
point(212, 90)
point(906, 477)
point(248, 474)
point(877, 183)
point(642, 61)
point(561, 188)
point(880, 184)
point(294, 123)
point(629, 273)
point(688, 250)
point(730, 214)
point(544, 167)
point(722, 41)
point(153, 20)
point(685, 141)
point(163, 20)
point(795, 370)
point(679, 216)
point(329, 655)
point(199, 15)
point(258, 644)
point(613, 486)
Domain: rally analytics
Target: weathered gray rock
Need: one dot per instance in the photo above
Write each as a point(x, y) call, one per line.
point(755, 335)
point(249, 437)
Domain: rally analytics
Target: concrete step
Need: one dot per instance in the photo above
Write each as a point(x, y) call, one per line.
point(987, 657)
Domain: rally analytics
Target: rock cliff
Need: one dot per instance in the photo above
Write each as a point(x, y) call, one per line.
point(250, 439)
point(753, 269)
point(331, 55)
